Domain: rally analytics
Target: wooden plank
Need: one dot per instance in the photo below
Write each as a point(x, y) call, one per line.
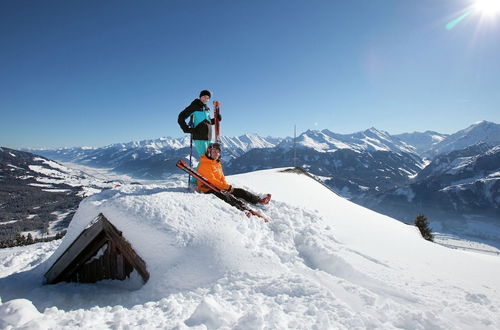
point(120, 268)
point(102, 270)
point(111, 263)
point(128, 269)
point(96, 270)
point(128, 252)
point(75, 249)
point(88, 252)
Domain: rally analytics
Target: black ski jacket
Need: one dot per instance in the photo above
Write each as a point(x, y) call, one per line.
point(202, 131)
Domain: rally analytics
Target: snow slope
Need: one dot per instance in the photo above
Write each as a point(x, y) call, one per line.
point(321, 263)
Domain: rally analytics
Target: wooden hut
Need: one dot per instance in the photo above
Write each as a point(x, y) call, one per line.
point(100, 252)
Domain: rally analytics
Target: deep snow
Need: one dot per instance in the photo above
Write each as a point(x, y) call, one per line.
point(322, 262)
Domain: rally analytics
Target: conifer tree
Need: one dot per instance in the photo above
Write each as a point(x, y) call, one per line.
point(423, 225)
point(20, 239)
point(29, 239)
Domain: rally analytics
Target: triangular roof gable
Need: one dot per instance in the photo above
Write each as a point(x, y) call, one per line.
point(99, 252)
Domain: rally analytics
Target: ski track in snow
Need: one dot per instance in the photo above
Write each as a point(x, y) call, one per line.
point(332, 266)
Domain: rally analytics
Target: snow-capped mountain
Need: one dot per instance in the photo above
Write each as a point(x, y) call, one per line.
point(483, 132)
point(322, 262)
point(39, 196)
point(456, 190)
point(155, 159)
point(237, 146)
point(422, 142)
point(116, 154)
point(150, 159)
point(369, 140)
point(348, 171)
point(457, 165)
point(350, 163)
point(386, 174)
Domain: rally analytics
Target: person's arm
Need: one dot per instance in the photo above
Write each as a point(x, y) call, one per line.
point(218, 182)
point(182, 119)
point(223, 184)
point(219, 117)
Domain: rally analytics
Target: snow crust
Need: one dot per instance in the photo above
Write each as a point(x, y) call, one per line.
point(322, 262)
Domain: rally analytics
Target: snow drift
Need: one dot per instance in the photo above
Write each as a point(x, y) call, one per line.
point(322, 262)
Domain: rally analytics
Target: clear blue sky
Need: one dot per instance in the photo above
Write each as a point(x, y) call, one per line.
point(91, 73)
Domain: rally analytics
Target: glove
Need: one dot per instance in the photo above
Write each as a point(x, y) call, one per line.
point(188, 130)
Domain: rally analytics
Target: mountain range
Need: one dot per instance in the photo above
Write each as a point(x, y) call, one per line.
point(150, 159)
point(449, 177)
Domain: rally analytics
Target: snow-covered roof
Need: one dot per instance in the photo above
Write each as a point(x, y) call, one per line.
point(99, 253)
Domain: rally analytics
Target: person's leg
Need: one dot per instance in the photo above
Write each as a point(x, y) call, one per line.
point(231, 200)
point(246, 195)
point(250, 197)
point(201, 146)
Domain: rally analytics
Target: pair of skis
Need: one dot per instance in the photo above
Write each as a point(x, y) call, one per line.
point(237, 202)
point(217, 122)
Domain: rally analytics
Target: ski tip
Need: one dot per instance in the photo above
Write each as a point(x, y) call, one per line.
point(216, 103)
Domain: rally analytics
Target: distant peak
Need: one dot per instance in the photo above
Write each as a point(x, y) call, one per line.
point(482, 123)
point(327, 131)
point(312, 131)
point(251, 134)
point(433, 133)
point(375, 131)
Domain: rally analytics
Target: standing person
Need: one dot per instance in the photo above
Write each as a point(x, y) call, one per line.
point(201, 129)
point(210, 167)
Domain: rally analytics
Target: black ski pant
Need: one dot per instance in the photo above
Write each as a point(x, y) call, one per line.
point(238, 193)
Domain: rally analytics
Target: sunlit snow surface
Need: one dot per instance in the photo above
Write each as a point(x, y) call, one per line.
point(322, 262)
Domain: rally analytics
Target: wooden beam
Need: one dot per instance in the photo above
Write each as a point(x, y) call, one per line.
point(72, 252)
point(128, 252)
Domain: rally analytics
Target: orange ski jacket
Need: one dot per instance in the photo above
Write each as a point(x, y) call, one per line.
point(212, 170)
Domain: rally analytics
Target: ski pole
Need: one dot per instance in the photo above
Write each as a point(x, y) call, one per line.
point(191, 124)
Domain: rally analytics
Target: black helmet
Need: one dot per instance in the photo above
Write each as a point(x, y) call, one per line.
point(214, 145)
point(205, 92)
